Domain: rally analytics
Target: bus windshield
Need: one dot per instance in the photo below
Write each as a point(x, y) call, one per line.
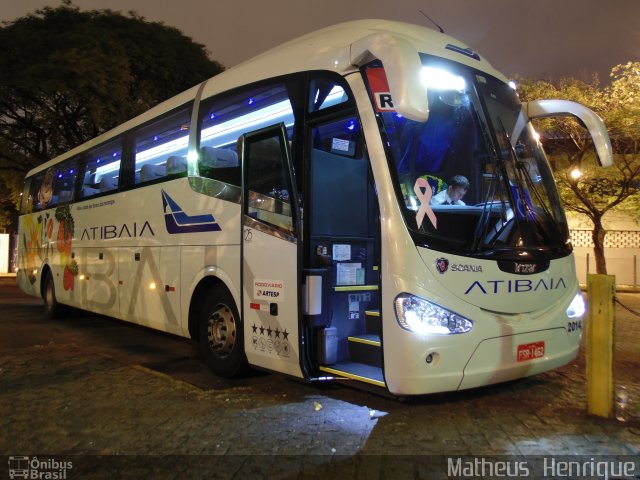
point(473, 180)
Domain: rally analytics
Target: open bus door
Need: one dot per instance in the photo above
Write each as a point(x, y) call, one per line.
point(270, 252)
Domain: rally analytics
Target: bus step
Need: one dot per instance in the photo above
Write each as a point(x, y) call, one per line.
point(365, 348)
point(372, 318)
point(356, 371)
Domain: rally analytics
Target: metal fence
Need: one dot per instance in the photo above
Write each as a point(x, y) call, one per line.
point(622, 251)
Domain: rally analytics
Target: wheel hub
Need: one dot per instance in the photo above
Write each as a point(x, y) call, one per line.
point(221, 331)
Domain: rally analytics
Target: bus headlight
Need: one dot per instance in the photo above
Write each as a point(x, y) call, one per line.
point(421, 316)
point(577, 307)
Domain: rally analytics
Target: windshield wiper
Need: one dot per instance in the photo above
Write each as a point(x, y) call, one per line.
point(497, 179)
point(524, 186)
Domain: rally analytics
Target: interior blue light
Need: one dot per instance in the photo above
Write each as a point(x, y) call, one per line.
point(251, 101)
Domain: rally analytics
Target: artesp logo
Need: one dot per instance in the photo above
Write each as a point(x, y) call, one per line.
point(442, 265)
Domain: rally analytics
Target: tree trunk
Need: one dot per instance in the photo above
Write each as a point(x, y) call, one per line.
point(598, 235)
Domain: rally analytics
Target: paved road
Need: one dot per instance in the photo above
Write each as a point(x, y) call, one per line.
point(96, 398)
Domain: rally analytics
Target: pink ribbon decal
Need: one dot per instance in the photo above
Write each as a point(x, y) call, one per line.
point(424, 198)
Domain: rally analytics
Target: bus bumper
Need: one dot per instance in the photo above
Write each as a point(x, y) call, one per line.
point(510, 357)
point(489, 361)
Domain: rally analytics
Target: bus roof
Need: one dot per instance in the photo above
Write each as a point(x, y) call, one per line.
point(330, 48)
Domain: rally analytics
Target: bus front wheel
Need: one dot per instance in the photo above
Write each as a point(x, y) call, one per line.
point(220, 334)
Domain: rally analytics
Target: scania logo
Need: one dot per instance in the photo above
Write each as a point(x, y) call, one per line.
point(442, 264)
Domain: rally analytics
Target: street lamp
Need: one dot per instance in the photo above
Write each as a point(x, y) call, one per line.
point(575, 173)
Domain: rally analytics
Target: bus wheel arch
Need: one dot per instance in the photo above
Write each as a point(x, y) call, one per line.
point(215, 325)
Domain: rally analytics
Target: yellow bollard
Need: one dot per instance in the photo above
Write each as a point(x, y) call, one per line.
point(600, 321)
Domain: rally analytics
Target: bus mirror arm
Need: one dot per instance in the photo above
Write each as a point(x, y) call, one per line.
point(402, 67)
point(593, 123)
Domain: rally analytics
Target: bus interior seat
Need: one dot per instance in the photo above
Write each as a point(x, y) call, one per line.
point(150, 172)
point(87, 191)
point(108, 183)
point(176, 165)
point(88, 185)
point(65, 196)
point(218, 157)
point(220, 164)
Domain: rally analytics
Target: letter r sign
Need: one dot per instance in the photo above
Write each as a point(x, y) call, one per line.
point(380, 89)
point(384, 102)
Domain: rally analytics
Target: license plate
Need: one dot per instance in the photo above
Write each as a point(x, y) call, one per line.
point(529, 351)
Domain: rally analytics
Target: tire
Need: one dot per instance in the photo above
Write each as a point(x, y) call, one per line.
point(220, 334)
point(51, 306)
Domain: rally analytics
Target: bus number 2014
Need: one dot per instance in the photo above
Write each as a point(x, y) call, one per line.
point(574, 326)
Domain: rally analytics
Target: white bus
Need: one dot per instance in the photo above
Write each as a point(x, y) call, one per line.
point(284, 215)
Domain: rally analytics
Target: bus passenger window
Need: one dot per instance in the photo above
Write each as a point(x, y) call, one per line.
point(26, 203)
point(161, 148)
point(103, 169)
point(64, 182)
point(44, 195)
point(53, 186)
point(325, 93)
point(267, 184)
point(226, 117)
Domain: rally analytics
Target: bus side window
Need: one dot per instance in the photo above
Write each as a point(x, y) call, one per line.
point(64, 182)
point(44, 189)
point(227, 116)
point(267, 185)
point(325, 93)
point(161, 148)
point(26, 204)
point(339, 166)
point(103, 169)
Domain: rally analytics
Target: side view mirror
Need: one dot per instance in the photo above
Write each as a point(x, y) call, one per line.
point(592, 122)
point(403, 71)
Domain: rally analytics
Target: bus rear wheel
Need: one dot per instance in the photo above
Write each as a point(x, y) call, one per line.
point(51, 306)
point(220, 334)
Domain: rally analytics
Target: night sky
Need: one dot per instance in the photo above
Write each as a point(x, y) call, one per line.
point(538, 38)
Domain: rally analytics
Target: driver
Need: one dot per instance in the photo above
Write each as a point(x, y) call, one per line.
point(458, 186)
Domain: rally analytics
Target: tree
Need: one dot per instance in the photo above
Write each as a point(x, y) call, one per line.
point(585, 188)
point(68, 75)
